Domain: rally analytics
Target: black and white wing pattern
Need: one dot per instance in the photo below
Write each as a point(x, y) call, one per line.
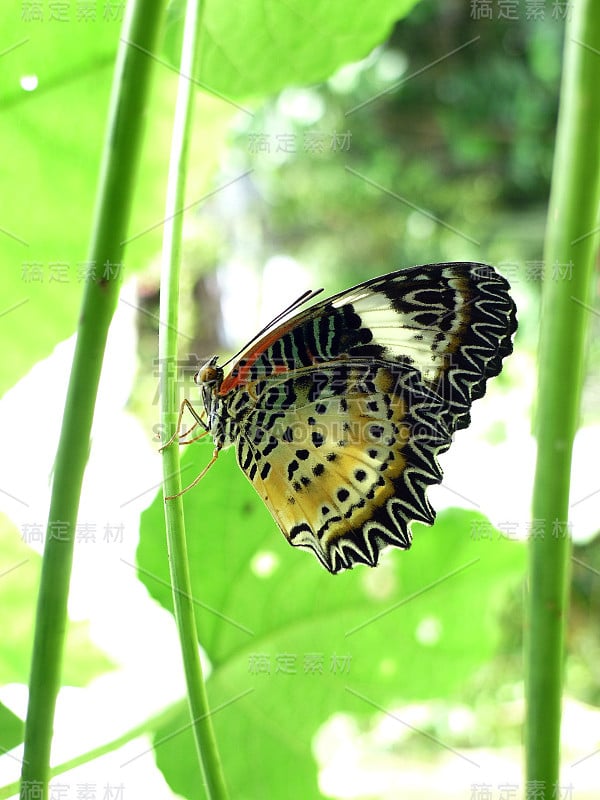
point(339, 413)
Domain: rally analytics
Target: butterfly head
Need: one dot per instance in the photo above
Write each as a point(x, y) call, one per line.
point(209, 374)
point(209, 379)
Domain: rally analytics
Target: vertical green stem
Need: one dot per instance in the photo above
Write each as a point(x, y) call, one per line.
point(122, 146)
point(571, 243)
point(208, 755)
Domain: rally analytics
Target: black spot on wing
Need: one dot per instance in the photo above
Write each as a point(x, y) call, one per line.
point(317, 439)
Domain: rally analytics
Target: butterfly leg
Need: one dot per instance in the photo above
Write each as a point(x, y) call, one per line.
point(198, 421)
point(195, 439)
point(198, 478)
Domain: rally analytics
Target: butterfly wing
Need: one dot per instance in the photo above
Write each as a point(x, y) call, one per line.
point(340, 412)
point(342, 456)
point(453, 322)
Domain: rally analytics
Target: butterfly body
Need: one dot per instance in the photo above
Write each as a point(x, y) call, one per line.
point(338, 414)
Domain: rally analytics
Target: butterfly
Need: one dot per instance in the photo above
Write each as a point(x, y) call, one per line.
point(338, 412)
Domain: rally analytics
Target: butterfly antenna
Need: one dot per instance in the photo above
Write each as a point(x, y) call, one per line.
point(308, 295)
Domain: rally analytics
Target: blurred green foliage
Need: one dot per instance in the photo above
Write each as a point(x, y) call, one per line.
point(290, 645)
point(437, 146)
point(56, 72)
point(452, 115)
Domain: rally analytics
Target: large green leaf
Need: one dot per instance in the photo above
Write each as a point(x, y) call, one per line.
point(20, 577)
point(283, 44)
point(52, 140)
point(290, 644)
point(53, 135)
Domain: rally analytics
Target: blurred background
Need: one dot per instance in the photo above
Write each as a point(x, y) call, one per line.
point(436, 146)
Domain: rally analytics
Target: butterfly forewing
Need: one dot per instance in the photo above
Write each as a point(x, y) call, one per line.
point(339, 413)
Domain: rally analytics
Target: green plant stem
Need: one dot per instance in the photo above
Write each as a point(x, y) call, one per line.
point(570, 240)
point(206, 746)
point(146, 728)
point(120, 158)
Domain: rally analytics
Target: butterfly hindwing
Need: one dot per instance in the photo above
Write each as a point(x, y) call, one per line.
point(342, 456)
point(339, 413)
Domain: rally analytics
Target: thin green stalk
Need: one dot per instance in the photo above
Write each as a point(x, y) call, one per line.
point(120, 158)
point(206, 746)
point(571, 244)
point(147, 728)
